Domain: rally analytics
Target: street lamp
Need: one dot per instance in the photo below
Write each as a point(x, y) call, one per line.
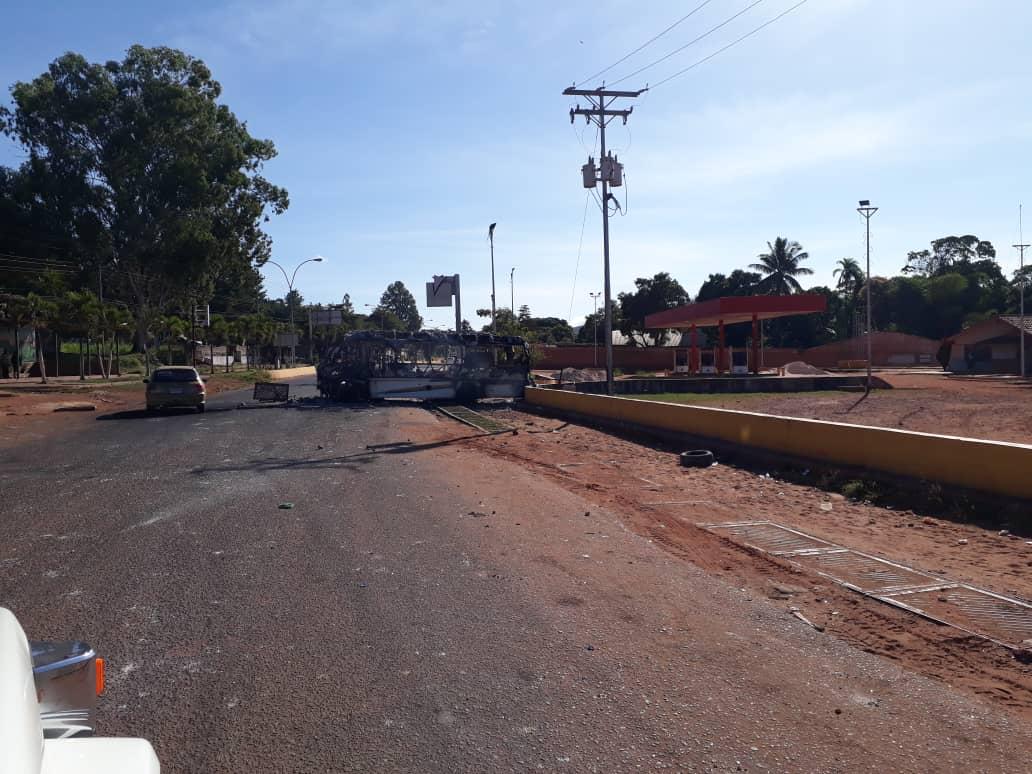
point(290, 298)
point(594, 317)
point(867, 211)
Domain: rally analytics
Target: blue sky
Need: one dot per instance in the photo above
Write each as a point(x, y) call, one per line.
point(404, 128)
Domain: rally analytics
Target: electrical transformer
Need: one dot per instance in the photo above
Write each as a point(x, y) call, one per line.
point(588, 172)
point(612, 171)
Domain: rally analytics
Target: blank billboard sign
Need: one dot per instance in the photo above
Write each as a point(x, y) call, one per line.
point(440, 291)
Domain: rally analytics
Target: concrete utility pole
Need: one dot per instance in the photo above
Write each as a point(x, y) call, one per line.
point(867, 211)
point(490, 236)
point(600, 114)
point(1021, 247)
point(594, 319)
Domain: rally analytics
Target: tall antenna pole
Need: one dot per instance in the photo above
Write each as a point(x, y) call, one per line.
point(599, 113)
point(867, 211)
point(490, 236)
point(1021, 247)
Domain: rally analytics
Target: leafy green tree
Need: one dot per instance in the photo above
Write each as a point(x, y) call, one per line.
point(780, 267)
point(35, 312)
point(506, 323)
point(946, 253)
point(651, 295)
point(738, 283)
point(548, 330)
point(149, 175)
point(587, 332)
point(850, 277)
point(398, 301)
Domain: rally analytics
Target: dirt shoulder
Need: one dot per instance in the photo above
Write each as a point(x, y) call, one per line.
point(929, 403)
point(658, 499)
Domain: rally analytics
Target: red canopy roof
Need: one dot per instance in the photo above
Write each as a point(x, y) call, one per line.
point(736, 309)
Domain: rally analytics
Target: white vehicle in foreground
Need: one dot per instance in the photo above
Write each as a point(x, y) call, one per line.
point(47, 696)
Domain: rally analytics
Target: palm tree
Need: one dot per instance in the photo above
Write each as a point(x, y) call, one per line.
point(851, 276)
point(781, 267)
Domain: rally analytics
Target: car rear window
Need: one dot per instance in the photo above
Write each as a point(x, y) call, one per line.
point(175, 376)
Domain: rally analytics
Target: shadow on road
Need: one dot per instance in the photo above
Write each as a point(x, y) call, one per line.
point(342, 462)
point(169, 413)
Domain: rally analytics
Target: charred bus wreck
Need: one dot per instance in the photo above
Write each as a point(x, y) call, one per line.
point(431, 365)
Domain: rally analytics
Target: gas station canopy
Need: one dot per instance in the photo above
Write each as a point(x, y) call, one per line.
point(736, 309)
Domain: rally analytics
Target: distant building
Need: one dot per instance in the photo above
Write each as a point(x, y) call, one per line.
point(991, 346)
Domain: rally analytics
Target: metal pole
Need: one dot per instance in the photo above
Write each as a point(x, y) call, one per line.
point(867, 388)
point(605, 256)
point(458, 305)
point(290, 304)
point(490, 236)
point(1021, 246)
point(512, 292)
point(867, 211)
point(311, 354)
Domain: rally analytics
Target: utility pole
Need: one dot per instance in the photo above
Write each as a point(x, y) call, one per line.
point(512, 292)
point(594, 318)
point(1021, 247)
point(600, 114)
point(867, 211)
point(490, 236)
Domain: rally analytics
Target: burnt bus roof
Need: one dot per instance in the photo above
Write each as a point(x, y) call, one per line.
point(400, 338)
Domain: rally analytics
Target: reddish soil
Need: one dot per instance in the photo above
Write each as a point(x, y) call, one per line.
point(27, 411)
point(931, 403)
point(664, 502)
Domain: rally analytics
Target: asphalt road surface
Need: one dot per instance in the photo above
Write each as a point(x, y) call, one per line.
point(424, 608)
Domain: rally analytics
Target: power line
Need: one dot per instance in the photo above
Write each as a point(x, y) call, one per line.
point(704, 35)
point(648, 42)
point(729, 45)
point(35, 260)
point(580, 245)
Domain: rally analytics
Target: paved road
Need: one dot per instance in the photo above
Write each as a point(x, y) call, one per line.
point(424, 608)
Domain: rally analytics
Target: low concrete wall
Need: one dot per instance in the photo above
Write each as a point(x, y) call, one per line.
point(730, 384)
point(996, 467)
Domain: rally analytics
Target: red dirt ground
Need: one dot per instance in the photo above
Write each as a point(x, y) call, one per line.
point(662, 501)
point(931, 403)
point(27, 411)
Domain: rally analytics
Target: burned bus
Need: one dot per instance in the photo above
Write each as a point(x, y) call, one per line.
point(428, 365)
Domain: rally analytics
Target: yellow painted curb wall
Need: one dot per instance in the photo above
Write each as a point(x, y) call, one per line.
point(990, 466)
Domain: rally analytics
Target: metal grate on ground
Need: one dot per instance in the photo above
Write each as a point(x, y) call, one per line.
point(475, 419)
point(771, 538)
point(976, 611)
point(1001, 619)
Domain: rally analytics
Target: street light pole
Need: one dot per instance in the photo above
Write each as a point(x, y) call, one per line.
point(867, 211)
point(290, 299)
point(594, 319)
point(512, 292)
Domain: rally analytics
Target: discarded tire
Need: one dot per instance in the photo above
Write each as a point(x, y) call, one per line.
point(697, 458)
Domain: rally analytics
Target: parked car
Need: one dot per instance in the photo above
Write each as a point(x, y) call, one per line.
point(175, 387)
